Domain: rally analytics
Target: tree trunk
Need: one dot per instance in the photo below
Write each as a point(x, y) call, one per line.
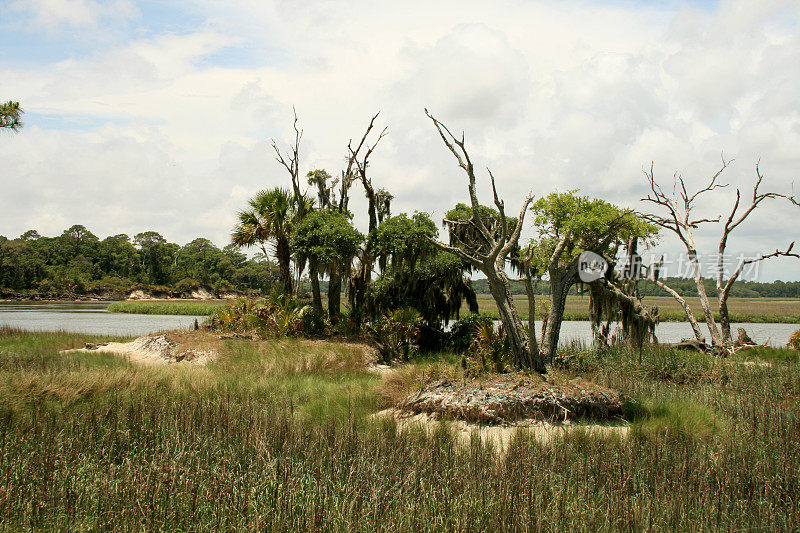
point(725, 321)
point(283, 255)
point(716, 338)
point(533, 344)
point(560, 283)
point(358, 287)
point(334, 294)
point(313, 275)
point(512, 324)
point(698, 334)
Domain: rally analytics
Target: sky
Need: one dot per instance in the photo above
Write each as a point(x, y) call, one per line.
point(158, 115)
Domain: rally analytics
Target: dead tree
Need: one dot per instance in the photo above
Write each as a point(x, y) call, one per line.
point(291, 162)
point(378, 207)
point(679, 220)
point(492, 253)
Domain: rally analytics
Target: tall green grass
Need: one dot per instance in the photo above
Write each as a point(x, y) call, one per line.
point(166, 307)
point(276, 436)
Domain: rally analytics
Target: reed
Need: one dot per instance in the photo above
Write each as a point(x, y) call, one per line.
point(166, 307)
point(259, 441)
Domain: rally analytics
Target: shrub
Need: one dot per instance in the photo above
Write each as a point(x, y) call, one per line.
point(490, 348)
point(275, 317)
point(794, 340)
point(186, 285)
point(396, 333)
point(463, 330)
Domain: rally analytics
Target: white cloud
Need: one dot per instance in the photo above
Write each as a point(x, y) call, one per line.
point(79, 14)
point(551, 96)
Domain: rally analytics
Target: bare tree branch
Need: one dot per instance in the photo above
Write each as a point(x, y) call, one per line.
point(451, 141)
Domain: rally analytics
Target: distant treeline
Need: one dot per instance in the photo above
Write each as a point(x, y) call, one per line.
point(79, 262)
point(683, 286)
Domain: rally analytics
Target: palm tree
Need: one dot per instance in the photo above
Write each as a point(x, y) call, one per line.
point(270, 219)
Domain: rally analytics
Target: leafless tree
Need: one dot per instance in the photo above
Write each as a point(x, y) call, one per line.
point(492, 254)
point(290, 160)
point(377, 208)
point(676, 216)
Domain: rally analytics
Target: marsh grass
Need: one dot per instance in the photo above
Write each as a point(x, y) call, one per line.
point(754, 310)
point(260, 441)
point(167, 307)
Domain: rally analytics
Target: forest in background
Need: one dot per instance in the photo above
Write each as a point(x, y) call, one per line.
point(79, 262)
point(683, 286)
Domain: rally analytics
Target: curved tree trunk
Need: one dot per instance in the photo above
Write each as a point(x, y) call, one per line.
point(698, 334)
point(526, 356)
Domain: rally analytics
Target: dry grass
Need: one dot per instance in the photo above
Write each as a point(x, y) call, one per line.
point(741, 309)
point(255, 442)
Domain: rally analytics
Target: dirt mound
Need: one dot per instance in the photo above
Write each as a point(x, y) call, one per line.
point(506, 398)
point(161, 349)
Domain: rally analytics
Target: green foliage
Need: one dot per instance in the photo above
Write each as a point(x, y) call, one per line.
point(463, 330)
point(396, 333)
point(77, 261)
point(587, 224)
point(794, 340)
point(327, 238)
point(416, 274)
point(10, 115)
point(403, 241)
point(270, 219)
point(280, 316)
point(467, 237)
point(490, 349)
point(191, 308)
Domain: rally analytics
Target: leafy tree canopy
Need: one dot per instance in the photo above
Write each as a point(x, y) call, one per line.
point(10, 116)
point(464, 235)
point(582, 223)
point(326, 237)
point(403, 239)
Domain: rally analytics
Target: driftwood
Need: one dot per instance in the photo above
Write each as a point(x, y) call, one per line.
point(743, 342)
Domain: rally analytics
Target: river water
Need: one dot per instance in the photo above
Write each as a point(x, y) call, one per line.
point(94, 319)
point(775, 334)
point(86, 317)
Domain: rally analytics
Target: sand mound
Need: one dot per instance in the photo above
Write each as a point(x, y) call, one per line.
point(501, 435)
point(156, 349)
point(507, 398)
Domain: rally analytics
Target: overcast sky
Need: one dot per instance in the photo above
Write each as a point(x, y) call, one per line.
point(156, 115)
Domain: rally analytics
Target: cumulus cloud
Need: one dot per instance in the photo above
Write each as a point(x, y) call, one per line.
point(169, 130)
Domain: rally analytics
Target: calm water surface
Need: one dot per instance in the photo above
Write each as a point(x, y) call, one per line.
point(776, 334)
point(86, 317)
point(93, 318)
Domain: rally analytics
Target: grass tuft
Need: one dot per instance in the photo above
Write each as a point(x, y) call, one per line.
point(166, 307)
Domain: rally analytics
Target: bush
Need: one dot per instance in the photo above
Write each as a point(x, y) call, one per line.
point(794, 340)
point(463, 330)
point(274, 317)
point(396, 333)
point(186, 285)
point(490, 348)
